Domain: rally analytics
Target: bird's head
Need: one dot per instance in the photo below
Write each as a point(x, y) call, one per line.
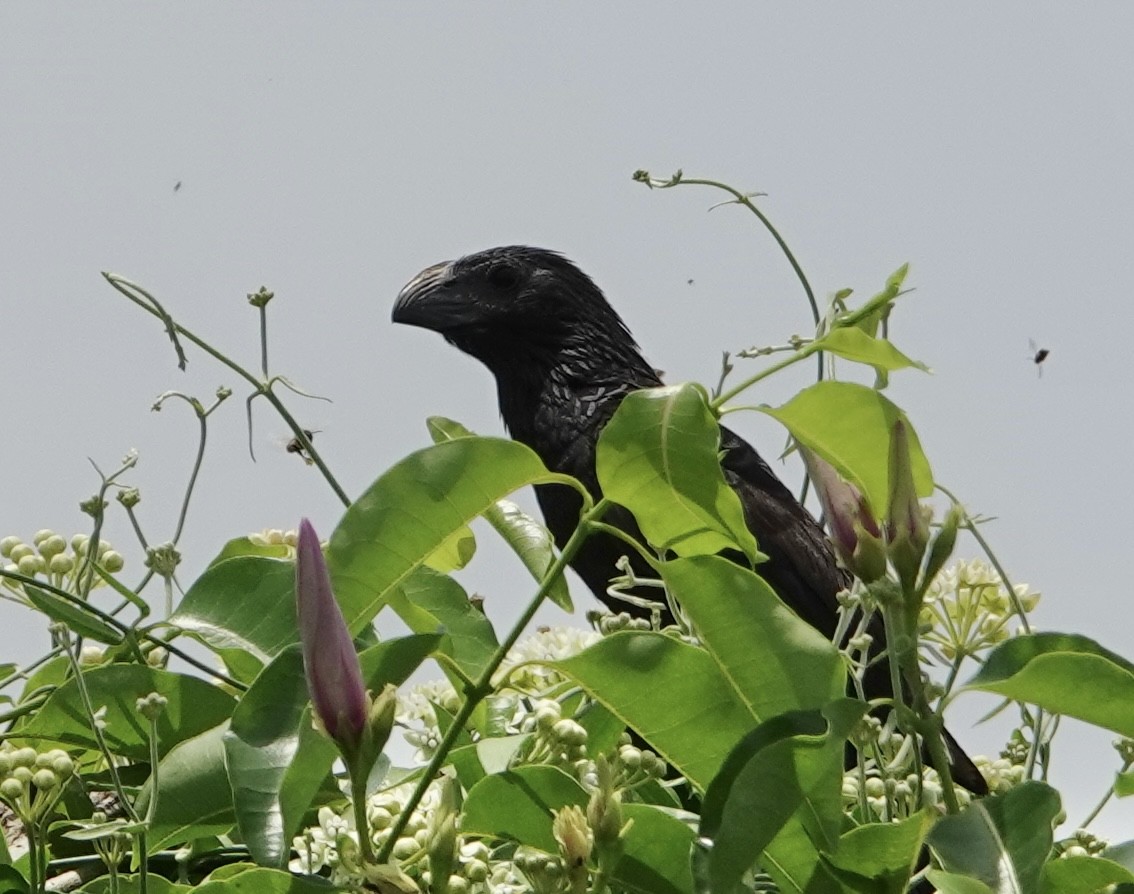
point(519, 307)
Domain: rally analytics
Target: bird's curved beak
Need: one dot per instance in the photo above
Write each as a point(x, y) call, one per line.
point(427, 301)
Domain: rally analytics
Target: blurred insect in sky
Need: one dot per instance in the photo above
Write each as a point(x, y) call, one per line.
point(294, 446)
point(177, 186)
point(1039, 355)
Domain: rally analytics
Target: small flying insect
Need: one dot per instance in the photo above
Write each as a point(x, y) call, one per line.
point(1039, 355)
point(294, 445)
point(177, 186)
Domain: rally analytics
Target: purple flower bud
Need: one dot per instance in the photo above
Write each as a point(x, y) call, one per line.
point(855, 532)
point(907, 529)
point(330, 663)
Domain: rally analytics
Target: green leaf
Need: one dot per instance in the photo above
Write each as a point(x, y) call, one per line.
point(80, 621)
point(530, 540)
point(517, 805)
point(454, 553)
point(193, 707)
point(245, 546)
point(276, 761)
point(1124, 785)
point(849, 425)
point(533, 543)
point(669, 691)
point(1063, 673)
point(413, 508)
point(851, 343)
point(779, 793)
point(194, 799)
point(774, 660)
point(878, 858)
point(952, 883)
point(130, 884)
point(260, 748)
point(244, 603)
point(1003, 841)
point(655, 855)
point(11, 882)
point(429, 602)
point(248, 879)
point(1083, 875)
point(658, 457)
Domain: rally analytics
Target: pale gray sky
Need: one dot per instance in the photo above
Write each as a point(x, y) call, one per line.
point(331, 151)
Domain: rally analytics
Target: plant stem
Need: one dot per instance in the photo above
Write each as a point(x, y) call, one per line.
point(746, 201)
point(482, 688)
point(133, 291)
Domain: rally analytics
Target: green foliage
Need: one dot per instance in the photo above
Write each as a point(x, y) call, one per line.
point(525, 775)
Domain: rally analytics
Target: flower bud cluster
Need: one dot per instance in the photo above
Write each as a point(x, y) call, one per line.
point(163, 559)
point(276, 537)
point(968, 610)
point(1082, 844)
point(431, 840)
point(54, 559)
point(31, 782)
point(333, 844)
point(1001, 774)
point(556, 739)
point(607, 623)
point(896, 797)
point(891, 791)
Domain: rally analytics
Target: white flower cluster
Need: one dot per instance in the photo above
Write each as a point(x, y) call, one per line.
point(969, 610)
point(331, 848)
point(546, 644)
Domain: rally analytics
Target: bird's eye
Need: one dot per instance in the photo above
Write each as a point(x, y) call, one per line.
point(503, 275)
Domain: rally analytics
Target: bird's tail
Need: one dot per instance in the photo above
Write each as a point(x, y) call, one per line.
point(962, 768)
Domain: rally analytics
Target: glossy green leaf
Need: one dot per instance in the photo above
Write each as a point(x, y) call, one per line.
point(260, 749)
point(11, 882)
point(655, 855)
point(517, 805)
point(658, 457)
point(77, 619)
point(779, 794)
point(429, 602)
point(878, 858)
point(673, 693)
point(1083, 875)
point(276, 761)
point(953, 883)
point(454, 553)
point(246, 602)
point(1002, 841)
point(194, 799)
point(245, 546)
point(851, 343)
point(193, 706)
point(250, 879)
point(533, 543)
point(774, 660)
point(1124, 785)
point(131, 884)
point(413, 508)
point(849, 425)
point(1065, 674)
point(530, 540)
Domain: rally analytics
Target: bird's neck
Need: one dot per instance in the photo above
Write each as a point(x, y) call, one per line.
point(551, 406)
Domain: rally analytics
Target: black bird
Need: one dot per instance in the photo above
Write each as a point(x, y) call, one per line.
point(563, 361)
